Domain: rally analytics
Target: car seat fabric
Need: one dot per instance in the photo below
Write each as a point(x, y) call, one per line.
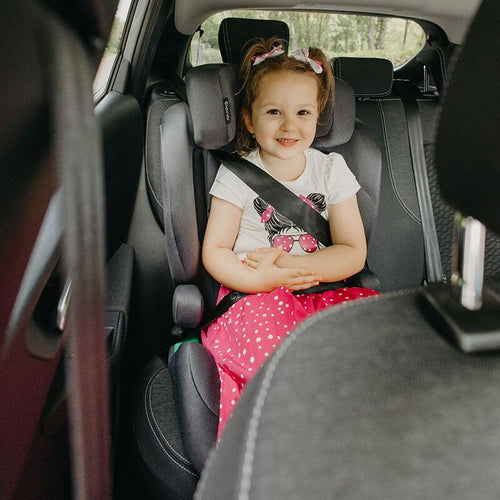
point(234, 40)
point(363, 401)
point(368, 76)
point(398, 230)
point(473, 126)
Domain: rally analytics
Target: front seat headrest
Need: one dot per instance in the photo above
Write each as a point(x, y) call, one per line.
point(467, 146)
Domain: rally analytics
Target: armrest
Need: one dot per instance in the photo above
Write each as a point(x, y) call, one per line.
point(119, 273)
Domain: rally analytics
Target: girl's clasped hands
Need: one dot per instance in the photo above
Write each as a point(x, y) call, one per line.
point(266, 263)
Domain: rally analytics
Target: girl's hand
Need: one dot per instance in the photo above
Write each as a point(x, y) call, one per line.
point(269, 276)
point(253, 260)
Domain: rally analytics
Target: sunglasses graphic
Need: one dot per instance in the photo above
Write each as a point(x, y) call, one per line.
point(308, 243)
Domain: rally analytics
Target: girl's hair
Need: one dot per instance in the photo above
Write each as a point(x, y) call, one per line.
point(251, 76)
point(277, 222)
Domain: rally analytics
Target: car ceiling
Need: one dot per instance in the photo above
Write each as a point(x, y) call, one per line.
point(451, 15)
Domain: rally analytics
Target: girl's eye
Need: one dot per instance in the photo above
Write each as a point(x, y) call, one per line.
point(303, 112)
point(273, 112)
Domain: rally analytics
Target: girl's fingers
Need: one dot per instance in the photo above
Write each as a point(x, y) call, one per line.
point(303, 286)
point(304, 276)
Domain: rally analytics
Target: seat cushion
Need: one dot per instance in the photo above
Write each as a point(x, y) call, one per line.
point(364, 401)
point(166, 470)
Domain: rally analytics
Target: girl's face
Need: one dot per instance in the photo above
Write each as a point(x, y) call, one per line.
point(284, 117)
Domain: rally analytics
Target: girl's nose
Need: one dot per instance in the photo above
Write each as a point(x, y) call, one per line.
point(288, 123)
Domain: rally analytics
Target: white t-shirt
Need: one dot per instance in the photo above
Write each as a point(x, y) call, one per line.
point(326, 179)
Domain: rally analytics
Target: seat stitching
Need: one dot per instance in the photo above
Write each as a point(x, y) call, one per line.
point(390, 167)
point(149, 402)
point(156, 429)
point(253, 427)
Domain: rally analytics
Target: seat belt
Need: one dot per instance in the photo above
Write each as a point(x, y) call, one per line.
point(79, 161)
point(415, 137)
point(277, 195)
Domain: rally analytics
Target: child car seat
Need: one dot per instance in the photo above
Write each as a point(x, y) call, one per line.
point(174, 440)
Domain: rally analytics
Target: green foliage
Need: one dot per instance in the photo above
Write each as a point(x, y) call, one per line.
point(115, 37)
point(336, 34)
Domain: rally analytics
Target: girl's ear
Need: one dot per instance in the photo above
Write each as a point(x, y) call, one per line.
point(248, 122)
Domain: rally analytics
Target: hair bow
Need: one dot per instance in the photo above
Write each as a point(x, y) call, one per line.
point(276, 51)
point(303, 55)
point(268, 212)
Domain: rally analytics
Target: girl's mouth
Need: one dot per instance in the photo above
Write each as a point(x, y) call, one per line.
point(287, 142)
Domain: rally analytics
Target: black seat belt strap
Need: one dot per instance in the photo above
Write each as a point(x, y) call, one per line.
point(416, 142)
point(277, 195)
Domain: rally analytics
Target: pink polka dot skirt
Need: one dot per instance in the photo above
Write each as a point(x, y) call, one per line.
point(249, 331)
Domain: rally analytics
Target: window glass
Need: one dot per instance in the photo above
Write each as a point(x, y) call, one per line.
point(112, 48)
point(336, 34)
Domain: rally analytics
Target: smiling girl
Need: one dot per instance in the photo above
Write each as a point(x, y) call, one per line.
point(251, 247)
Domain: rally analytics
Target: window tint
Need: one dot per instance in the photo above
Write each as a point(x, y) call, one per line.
point(336, 34)
point(112, 48)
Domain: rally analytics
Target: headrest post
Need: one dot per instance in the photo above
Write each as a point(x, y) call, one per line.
point(426, 79)
point(468, 261)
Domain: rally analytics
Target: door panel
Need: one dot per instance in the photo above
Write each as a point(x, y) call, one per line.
point(122, 138)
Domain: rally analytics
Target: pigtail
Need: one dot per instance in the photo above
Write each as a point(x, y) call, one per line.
point(327, 89)
point(245, 142)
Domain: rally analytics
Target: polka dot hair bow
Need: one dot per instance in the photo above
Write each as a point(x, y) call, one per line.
point(303, 55)
point(276, 51)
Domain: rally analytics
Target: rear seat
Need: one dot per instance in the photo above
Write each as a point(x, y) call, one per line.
point(396, 252)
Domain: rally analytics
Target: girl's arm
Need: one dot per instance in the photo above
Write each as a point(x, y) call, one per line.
point(221, 262)
point(343, 259)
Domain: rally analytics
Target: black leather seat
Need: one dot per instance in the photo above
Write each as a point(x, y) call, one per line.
point(377, 399)
point(173, 440)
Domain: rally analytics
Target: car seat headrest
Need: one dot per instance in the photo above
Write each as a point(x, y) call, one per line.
point(236, 33)
point(436, 60)
point(467, 145)
point(336, 127)
point(368, 76)
point(211, 91)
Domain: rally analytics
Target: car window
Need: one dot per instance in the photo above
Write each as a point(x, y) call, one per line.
point(112, 49)
point(336, 34)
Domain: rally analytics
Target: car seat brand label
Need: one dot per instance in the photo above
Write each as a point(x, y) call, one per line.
point(227, 113)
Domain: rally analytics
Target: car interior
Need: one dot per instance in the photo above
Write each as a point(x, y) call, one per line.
point(106, 389)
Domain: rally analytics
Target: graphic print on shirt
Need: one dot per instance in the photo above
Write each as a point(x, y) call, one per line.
point(282, 231)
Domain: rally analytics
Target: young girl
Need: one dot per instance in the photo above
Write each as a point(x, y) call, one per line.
point(251, 247)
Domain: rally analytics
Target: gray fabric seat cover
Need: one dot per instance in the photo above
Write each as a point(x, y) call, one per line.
point(350, 408)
